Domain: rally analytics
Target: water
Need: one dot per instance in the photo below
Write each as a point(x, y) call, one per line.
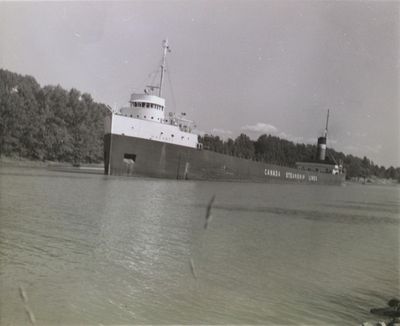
point(91, 249)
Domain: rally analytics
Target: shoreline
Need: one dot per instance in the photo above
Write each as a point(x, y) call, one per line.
point(373, 181)
point(26, 163)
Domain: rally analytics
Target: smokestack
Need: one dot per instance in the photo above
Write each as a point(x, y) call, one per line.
point(321, 147)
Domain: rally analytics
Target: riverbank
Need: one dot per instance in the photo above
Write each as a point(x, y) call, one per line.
point(22, 162)
point(373, 180)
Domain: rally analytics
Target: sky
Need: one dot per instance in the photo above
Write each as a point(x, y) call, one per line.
point(248, 66)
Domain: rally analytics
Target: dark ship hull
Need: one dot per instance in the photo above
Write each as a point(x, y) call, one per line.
point(130, 156)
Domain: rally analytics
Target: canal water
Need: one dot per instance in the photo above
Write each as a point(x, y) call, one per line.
point(93, 249)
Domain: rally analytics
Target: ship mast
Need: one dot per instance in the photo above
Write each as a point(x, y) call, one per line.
point(165, 50)
point(326, 126)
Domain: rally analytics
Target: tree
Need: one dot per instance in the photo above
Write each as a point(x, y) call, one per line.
point(48, 123)
point(244, 147)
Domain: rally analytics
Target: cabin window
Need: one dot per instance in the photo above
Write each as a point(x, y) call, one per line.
point(172, 135)
point(147, 105)
point(137, 116)
point(152, 117)
point(131, 115)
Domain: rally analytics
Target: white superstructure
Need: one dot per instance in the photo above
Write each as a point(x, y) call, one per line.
point(145, 118)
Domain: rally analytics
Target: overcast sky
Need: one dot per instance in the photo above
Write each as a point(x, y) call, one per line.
point(236, 66)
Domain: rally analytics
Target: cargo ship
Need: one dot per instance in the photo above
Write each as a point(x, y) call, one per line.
point(142, 140)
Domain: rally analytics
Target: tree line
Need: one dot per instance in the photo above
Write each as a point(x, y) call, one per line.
point(51, 123)
point(274, 150)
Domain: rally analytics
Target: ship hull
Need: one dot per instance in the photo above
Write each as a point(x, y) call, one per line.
point(131, 156)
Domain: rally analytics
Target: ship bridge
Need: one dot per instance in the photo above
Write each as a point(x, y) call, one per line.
point(145, 107)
